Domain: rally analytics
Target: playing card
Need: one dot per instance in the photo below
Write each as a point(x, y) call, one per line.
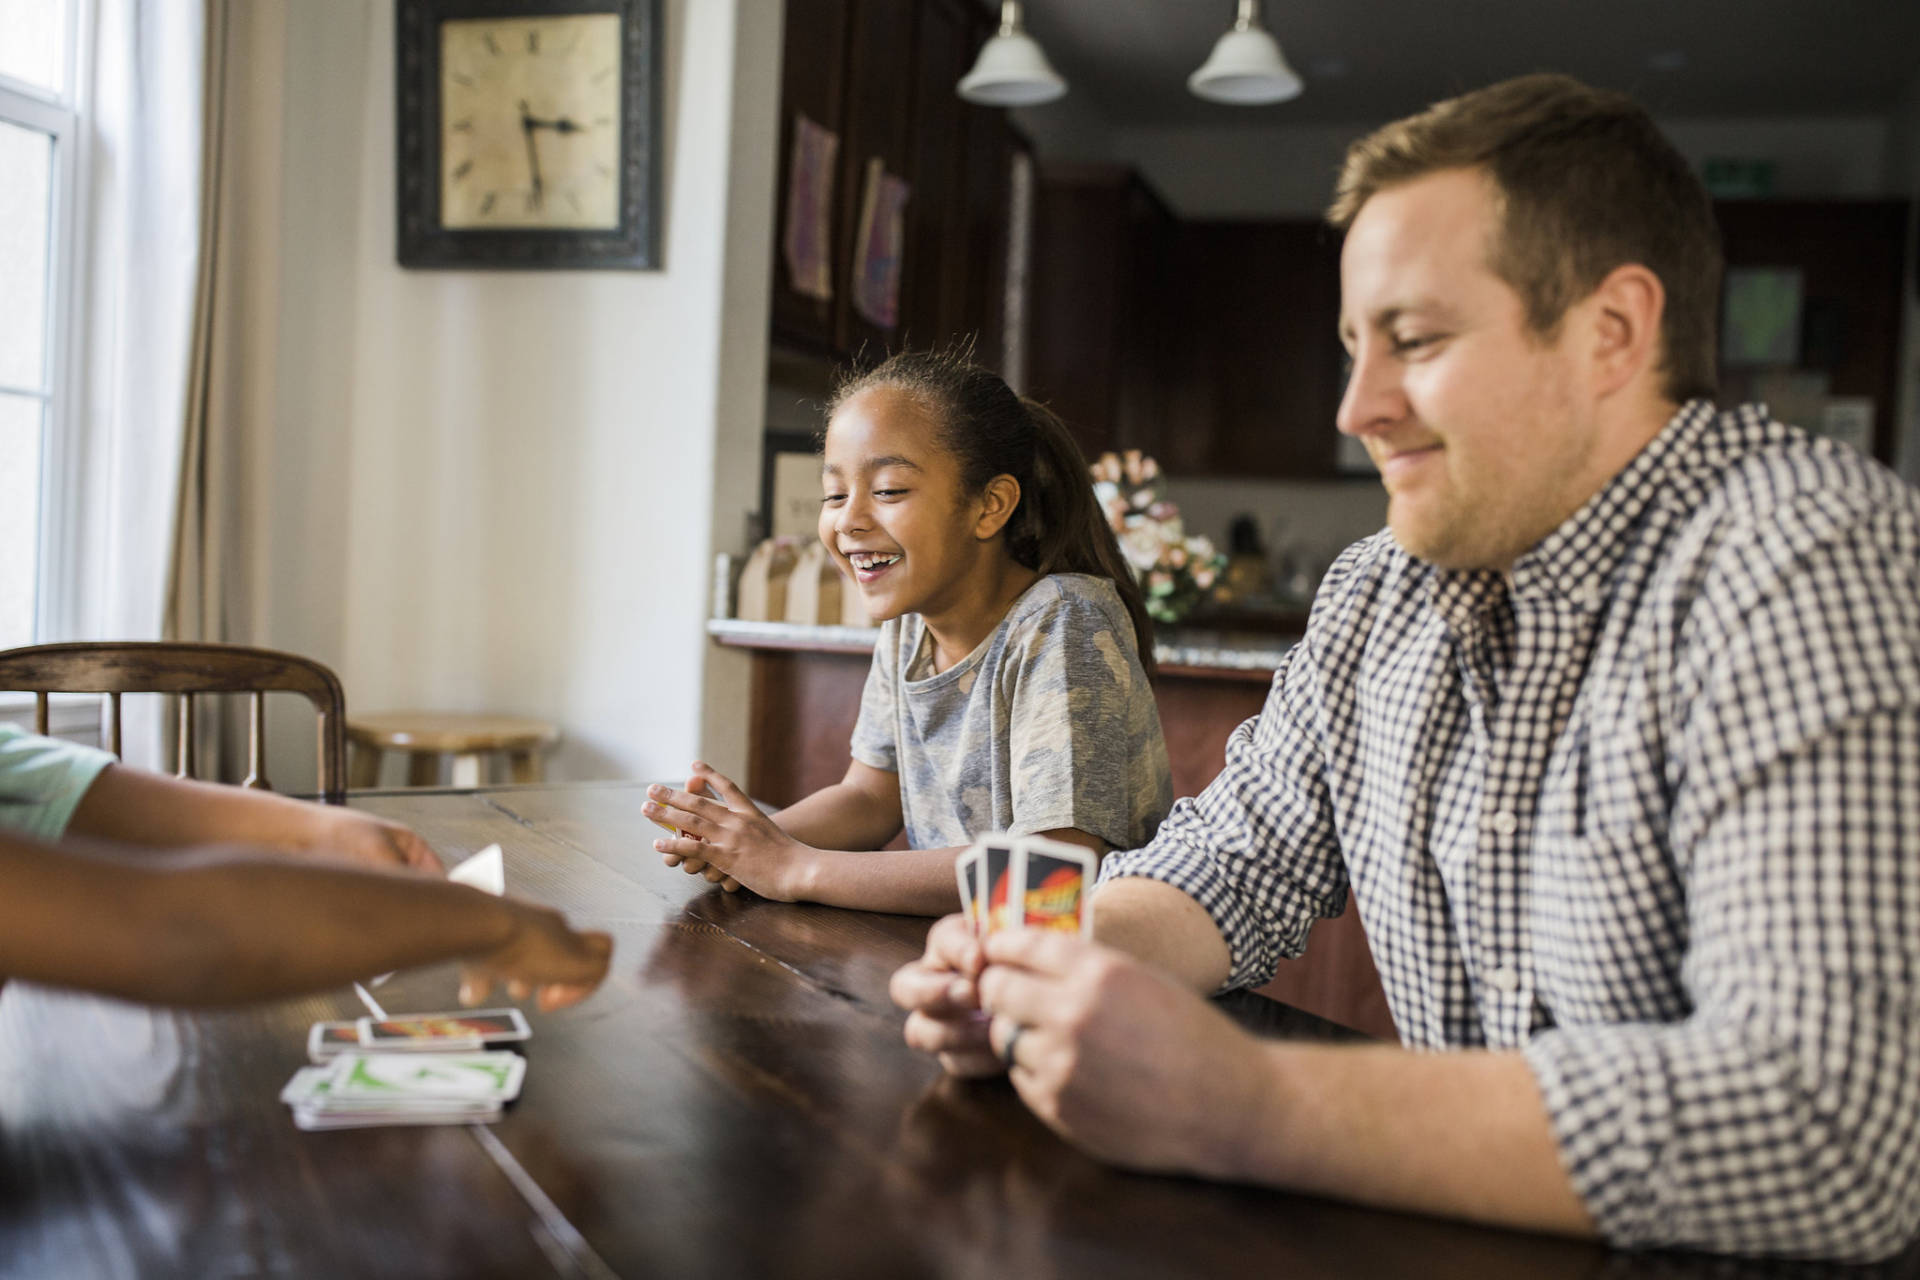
point(379, 1079)
point(484, 870)
point(442, 1031)
point(326, 1039)
point(1054, 879)
point(996, 882)
point(966, 871)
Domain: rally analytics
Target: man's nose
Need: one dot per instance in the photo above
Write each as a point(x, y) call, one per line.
point(1373, 395)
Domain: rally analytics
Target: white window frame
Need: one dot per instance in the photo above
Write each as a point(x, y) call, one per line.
point(63, 452)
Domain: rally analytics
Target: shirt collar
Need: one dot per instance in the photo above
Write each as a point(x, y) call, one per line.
point(1576, 562)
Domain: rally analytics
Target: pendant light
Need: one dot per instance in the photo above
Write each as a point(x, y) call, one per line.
point(1245, 68)
point(1011, 70)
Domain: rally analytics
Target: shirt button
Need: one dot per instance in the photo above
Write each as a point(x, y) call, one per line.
point(1505, 823)
point(1503, 979)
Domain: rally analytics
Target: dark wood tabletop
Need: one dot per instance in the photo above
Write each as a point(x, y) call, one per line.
point(735, 1101)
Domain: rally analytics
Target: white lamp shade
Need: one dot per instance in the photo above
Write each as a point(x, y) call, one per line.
point(1245, 69)
point(1011, 71)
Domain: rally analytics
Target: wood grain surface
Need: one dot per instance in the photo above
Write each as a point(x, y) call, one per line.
point(736, 1101)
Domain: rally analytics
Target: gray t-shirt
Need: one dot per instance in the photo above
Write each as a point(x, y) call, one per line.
point(1049, 723)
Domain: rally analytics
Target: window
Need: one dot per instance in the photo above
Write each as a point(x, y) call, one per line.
point(38, 138)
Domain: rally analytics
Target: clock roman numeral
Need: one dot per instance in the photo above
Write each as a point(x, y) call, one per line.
point(462, 126)
point(492, 48)
point(486, 206)
point(533, 42)
point(466, 167)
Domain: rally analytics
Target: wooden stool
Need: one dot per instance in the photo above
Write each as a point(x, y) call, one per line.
point(425, 736)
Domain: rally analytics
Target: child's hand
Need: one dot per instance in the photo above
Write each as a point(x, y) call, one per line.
point(696, 866)
point(541, 957)
point(726, 838)
point(369, 841)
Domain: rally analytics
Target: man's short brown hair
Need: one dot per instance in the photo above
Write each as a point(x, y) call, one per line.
point(1586, 184)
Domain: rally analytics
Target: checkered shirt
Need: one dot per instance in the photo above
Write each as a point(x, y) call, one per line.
point(1646, 810)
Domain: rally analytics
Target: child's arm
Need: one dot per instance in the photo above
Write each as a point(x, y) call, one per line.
point(210, 927)
point(135, 808)
point(730, 837)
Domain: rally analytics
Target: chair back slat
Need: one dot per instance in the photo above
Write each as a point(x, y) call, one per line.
point(113, 726)
point(256, 744)
point(114, 668)
point(184, 766)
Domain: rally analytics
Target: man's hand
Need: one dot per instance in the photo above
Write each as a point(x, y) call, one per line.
point(726, 837)
point(1121, 1060)
point(541, 953)
point(361, 838)
point(942, 1000)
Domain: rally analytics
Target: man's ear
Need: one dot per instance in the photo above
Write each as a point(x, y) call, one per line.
point(1625, 312)
point(997, 502)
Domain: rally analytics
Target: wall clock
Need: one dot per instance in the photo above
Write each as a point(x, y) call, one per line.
point(527, 133)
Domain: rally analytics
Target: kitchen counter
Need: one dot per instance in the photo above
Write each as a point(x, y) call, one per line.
point(1181, 651)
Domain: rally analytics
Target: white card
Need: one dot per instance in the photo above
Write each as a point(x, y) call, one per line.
point(484, 870)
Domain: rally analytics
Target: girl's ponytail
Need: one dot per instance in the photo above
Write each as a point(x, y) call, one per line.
point(1067, 530)
point(1057, 526)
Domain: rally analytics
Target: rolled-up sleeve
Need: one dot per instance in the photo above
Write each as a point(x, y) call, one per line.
point(1257, 849)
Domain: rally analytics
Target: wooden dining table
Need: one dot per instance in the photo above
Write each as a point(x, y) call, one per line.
point(735, 1101)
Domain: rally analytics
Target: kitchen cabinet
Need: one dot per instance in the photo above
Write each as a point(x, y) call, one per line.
point(1099, 305)
point(1851, 255)
point(879, 76)
point(1212, 346)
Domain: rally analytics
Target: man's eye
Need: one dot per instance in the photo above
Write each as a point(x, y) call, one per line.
point(832, 498)
point(1414, 341)
point(888, 493)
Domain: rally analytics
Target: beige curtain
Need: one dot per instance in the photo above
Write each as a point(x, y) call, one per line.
point(217, 566)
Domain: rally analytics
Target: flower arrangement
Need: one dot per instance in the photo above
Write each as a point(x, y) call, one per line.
point(1176, 570)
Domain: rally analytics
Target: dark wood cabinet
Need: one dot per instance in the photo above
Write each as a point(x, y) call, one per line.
point(1253, 361)
point(1852, 260)
point(1211, 345)
point(881, 77)
point(1101, 240)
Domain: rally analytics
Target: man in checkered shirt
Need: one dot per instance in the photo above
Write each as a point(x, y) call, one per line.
point(1614, 734)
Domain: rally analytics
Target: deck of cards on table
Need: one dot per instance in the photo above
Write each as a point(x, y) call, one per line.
point(1010, 882)
point(356, 1090)
point(370, 1071)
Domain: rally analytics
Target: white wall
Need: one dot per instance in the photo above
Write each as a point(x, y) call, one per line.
point(502, 490)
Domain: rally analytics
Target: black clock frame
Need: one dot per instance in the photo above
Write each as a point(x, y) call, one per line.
point(633, 244)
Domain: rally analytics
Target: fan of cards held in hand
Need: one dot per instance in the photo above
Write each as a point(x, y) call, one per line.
point(420, 1068)
point(1007, 882)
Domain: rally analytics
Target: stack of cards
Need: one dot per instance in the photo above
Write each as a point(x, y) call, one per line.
point(424, 1068)
point(1009, 881)
point(357, 1090)
point(417, 1032)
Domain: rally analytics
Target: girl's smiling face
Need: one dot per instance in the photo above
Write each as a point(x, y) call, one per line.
point(895, 516)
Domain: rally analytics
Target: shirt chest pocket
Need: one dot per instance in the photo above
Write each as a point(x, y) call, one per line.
point(1607, 905)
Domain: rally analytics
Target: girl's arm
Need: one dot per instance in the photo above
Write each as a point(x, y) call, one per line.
point(861, 811)
point(131, 807)
point(730, 837)
point(212, 927)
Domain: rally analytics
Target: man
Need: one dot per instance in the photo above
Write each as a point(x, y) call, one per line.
point(1614, 734)
point(175, 892)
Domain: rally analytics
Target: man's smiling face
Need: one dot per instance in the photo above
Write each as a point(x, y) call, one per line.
point(1482, 429)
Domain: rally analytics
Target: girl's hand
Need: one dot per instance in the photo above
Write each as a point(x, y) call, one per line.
point(697, 866)
point(727, 837)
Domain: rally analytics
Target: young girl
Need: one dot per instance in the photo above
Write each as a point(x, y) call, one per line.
point(1007, 691)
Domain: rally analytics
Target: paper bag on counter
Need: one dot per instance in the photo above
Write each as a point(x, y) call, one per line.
point(818, 593)
point(763, 582)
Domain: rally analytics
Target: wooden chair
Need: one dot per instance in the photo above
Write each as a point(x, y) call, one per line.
point(114, 668)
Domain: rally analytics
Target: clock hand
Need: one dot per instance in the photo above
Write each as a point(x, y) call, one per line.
point(527, 125)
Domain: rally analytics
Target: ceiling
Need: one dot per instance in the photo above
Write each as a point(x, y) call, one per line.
point(1374, 60)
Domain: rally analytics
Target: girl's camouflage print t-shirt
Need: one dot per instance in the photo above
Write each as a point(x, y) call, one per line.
point(1049, 723)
